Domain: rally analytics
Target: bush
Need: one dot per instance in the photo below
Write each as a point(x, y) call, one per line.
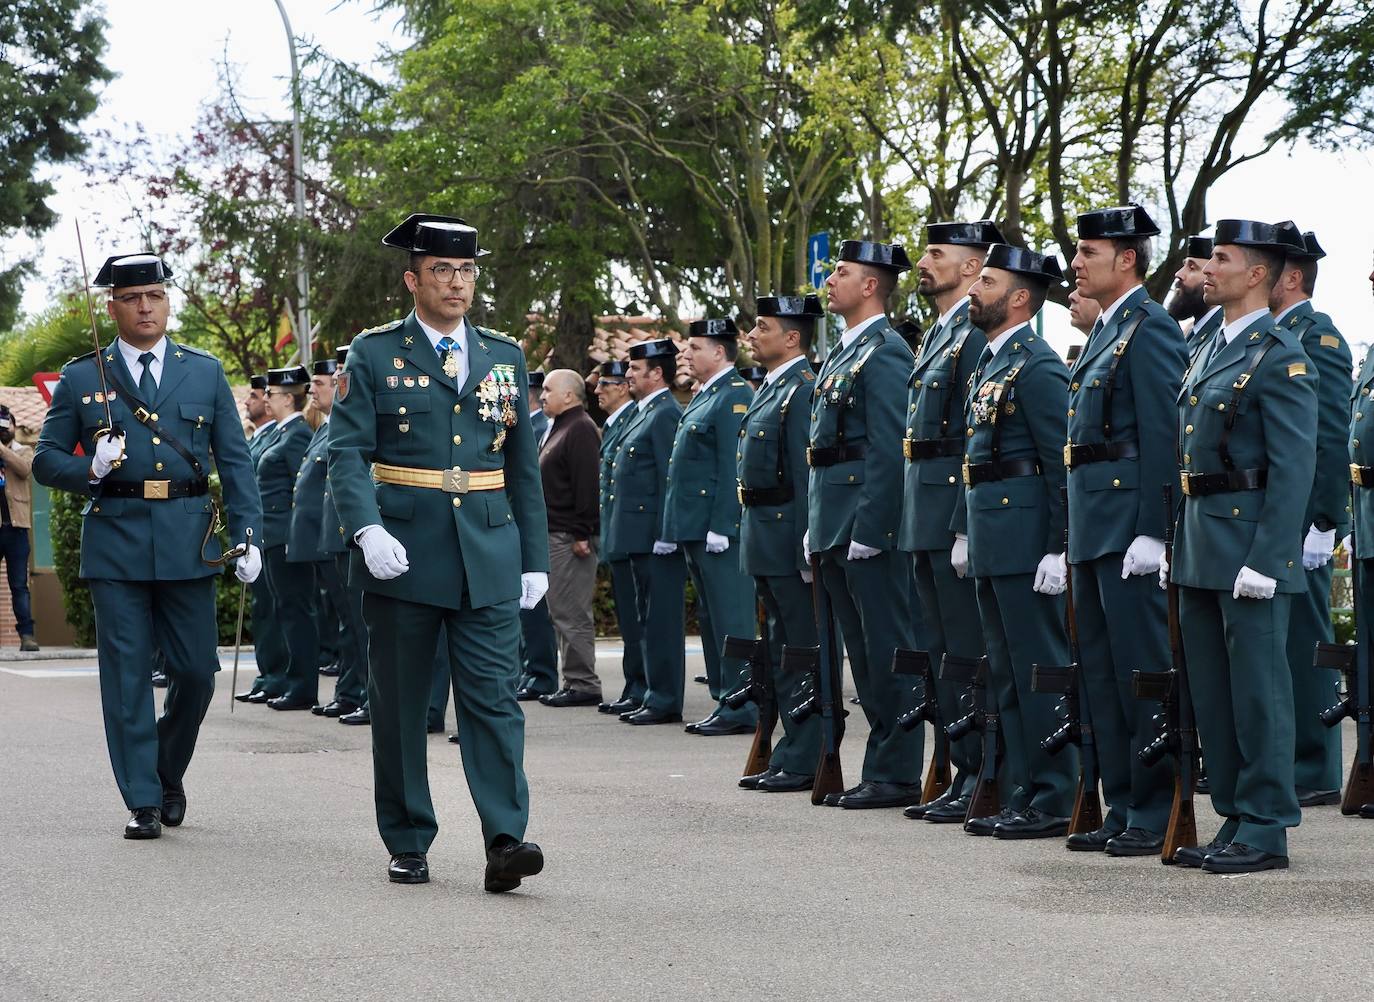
point(603, 605)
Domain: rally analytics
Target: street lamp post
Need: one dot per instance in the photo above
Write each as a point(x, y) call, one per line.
point(303, 333)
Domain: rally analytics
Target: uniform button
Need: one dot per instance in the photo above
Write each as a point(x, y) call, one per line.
point(917, 383)
point(158, 441)
point(1006, 500)
point(970, 433)
point(667, 480)
point(96, 508)
point(1116, 483)
point(779, 514)
point(760, 434)
point(951, 480)
point(1071, 412)
point(1187, 429)
point(457, 439)
point(457, 408)
point(703, 493)
point(1074, 386)
point(641, 507)
point(739, 456)
point(612, 497)
point(153, 416)
point(157, 466)
point(1221, 407)
point(1097, 382)
point(1192, 401)
point(457, 502)
point(400, 410)
point(1290, 563)
point(913, 406)
point(1187, 458)
point(851, 480)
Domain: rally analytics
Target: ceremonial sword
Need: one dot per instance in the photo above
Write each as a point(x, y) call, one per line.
point(238, 633)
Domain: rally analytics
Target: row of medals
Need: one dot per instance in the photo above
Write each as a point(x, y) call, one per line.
point(497, 394)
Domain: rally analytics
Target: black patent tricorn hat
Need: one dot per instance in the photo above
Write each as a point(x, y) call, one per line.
point(793, 307)
point(1199, 247)
point(440, 236)
point(293, 375)
point(977, 234)
point(660, 348)
point(1283, 237)
point(1043, 267)
point(124, 270)
point(717, 327)
point(889, 257)
point(1119, 222)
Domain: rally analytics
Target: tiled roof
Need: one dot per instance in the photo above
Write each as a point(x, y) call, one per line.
point(614, 335)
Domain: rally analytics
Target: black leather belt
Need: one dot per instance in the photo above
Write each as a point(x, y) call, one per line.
point(981, 473)
point(755, 496)
point(830, 455)
point(154, 490)
point(1362, 476)
point(1099, 452)
point(1201, 484)
point(931, 448)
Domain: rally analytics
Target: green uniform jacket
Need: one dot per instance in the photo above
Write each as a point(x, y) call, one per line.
point(861, 391)
point(772, 454)
point(1112, 502)
point(259, 442)
point(1275, 426)
point(612, 432)
point(934, 504)
point(701, 493)
point(307, 501)
point(639, 477)
point(277, 469)
point(1013, 523)
point(132, 539)
point(1328, 352)
point(1362, 452)
point(394, 405)
point(1203, 330)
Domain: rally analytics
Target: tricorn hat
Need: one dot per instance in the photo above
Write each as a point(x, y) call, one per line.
point(1119, 222)
point(792, 307)
point(1044, 267)
point(1199, 247)
point(341, 354)
point(616, 368)
point(324, 366)
point(257, 382)
point(440, 236)
point(1292, 236)
point(889, 257)
point(754, 373)
point(131, 269)
point(536, 380)
point(660, 348)
point(294, 375)
point(718, 327)
point(1283, 237)
point(978, 234)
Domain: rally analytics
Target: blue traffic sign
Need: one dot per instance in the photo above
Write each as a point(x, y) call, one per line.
point(817, 258)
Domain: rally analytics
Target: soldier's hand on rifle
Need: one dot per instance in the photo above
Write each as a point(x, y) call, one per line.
point(806, 575)
point(109, 451)
point(806, 544)
point(1163, 573)
point(1252, 584)
point(716, 543)
point(1051, 577)
point(858, 551)
point(383, 553)
point(1317, 548)
point(534, 585)
point(249, 566)
point(1143, 556)
point(958, 557)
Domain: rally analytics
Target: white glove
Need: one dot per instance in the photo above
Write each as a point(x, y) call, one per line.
point(858, 551)
point(958, 557)
point(806, 544)
point(109, 449)
point(383, 552)
point(1346, 544)
point(662, 549)
point(716, 543)
point(1317, 547)
point(533, 586)
point(1051, 576)
point(1143, 556)
point(1163, 573)
point(249, 566)
point(806, 576)
point(1253, 584)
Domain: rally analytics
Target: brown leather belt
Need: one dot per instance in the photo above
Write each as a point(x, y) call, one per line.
point(154, 490)
point(1201, 484)
point(454, 481)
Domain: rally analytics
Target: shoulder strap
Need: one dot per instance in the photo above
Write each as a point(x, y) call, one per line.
point(999, 410)
point(144, 417)
point(1120, 350)
point(1237, 391)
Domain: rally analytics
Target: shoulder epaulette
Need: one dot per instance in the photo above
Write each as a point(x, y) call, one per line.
point(195, 351)
point(488, 332)
point(381, 328)
point(78, 358)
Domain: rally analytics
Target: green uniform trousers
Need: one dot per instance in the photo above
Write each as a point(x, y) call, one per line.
point(269, 649)
point(293, 593)
point(725, 607)
point(871, 600)
point(660, 586)
point(132, 620)
point(1123, 626)
point(1243, 695)
point(440, 683)
point(1317, 761)
point(1024, 628)
point(790, 618)
point(631, 630)
point(352, 684)
point(538, 649)
point(483, 651)
point(949, 613)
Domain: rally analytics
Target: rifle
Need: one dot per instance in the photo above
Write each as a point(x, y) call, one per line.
point(758, 689)
point(982, 716)
point(917, 663)
point(827, 691)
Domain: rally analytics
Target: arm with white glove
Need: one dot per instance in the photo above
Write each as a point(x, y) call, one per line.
point(1051, 576)
point(662, 549)
point(1163, 573)
point(534, 585)
point(858, 551)
point(1252, 584)
point(249, 566)
point(1317, 548)
point(958, 556)
point(716, 543)
point(382, 552)
point(109, 452)
point(1144, 556)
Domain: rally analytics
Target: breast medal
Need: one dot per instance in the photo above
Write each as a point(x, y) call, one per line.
point(451, 364)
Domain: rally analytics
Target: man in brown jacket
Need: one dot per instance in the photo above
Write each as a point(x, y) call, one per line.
point(16, 520)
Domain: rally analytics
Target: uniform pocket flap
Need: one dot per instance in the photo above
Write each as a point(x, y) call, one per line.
point(1244, 506)
point(1109, 476)
point(395, 502)
point(1008, 494)
point(844, 473)
point(498, 510)
point(196, 413)
point(402, 403)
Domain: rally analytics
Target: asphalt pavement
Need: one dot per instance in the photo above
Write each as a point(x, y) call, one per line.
point(663, 879)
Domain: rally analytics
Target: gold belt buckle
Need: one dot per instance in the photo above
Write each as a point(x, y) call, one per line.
point(906, 447)
point(1068, 456)
point(964, 470)
point(809, 452)
point(1183, 482)
point(455, 481)
point(156, 490)
point(1356, 477)
point(739, 492)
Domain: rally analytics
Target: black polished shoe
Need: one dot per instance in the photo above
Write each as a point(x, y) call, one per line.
point(623, 705)
point(360, 716)
point(717, 727)
point(287, 703)
point(643, 717)
point(246, 694)
point(1093, 841)
point(1204, 785)
point(331, 670)
point(1191, 856)
point(1318, 798)
point(408, 868)
point(701, 680)
point(1033, 823)
point(833, 799)
point(786, 782)
point(571, 697)
point(509, 862)
point(337, 708)
point(146, 822)
point(917, 811)
point(692, 727)
point(525, 694)
point(1367, 810)
point(318, 709)
point(173, 807)
point(159, 680)
point(951, 812)
point(751, 781)
point(1135, 842)
point(1240, 858)
point(257, 697)
point(874, 795)
point(988, 825)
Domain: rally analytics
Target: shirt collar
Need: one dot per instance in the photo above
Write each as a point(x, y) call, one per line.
point(995, 345)
point(775, 374)
point(264, 428)
point(1206, 317)
point(1279, 317)
point(661, 389)
point(724, 370)
point(945, 317)
point(619, 411)
point(131, 353)
point(1111, 311)
point(291, 417)
point(1229, 331)
point(537, 410)
point(460, 342)
point(852, 334)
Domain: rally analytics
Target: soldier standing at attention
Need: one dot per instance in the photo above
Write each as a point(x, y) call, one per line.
point(431, 454)
point(772, 490)
point(1014, 474)
point(702, 512)
point(638, 487)
point(1317, 749)
point(538, 642)
point(934, 524)
point(856, 509)
point(1247, 428)
point(1120, 457)
point(269, 650)
point(1186, 304)
point(149, 493)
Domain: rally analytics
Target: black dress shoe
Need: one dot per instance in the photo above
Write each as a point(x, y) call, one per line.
point(408, 868)
point(950, 812)
point(509, 862)
point(1367, 810)
point(1240, 858)
point(1135, 842)
point(245, 695)
point(1033, 823)
point(257, 697)
point(1318, 798)
point(571, 697)
point(918, 811)
point(988, 825)
point(335, 708)
point(318, 709)
point(159, 680)
point(453, 738)
point(1191, 856)
point(359, 716)
point(1204, 785)
point(1093, 841)
point(623, 705)
point(751, 781)
point(701, 680)
point(640, 718)
point(173, 807)
point(331, 670)
point(527, 695)
point(287, 703)
point(786, 782)
point(692, 727)
point(833, 799)
point(874, 795)
point(716, 727)
point(146, 822)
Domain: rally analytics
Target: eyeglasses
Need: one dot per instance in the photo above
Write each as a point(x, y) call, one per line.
point(155, 298)
point(444, 272)
point(606, 381)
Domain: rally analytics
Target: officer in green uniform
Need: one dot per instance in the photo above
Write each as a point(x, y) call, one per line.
point(934, 493)
point(431, 455)
point(1247, 424)
point(292, 584)
point(702, 512)
point(539, 644)
point(1014, 473)
point(149, 495)
point(856, 509)
point(613, 396)
point(1186, 303)
point(773, 479)
point(637, 509)
point(1120, 456)
point(269, 650)
point(1317, 748)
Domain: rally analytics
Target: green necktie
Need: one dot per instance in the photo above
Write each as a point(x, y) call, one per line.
point(147, 385)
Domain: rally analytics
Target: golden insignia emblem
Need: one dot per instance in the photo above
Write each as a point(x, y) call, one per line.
point(410, 340)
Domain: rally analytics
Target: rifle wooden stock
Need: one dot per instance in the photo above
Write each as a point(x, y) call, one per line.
point(829, 774)
point(765, 696)
point(917, 663)
point(1359, 788)
point(1181, 831)
point(985, 801)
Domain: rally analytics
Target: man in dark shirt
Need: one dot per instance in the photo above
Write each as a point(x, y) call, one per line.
point(569, 463)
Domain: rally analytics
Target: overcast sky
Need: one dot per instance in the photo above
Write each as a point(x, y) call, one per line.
point(166, 66)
